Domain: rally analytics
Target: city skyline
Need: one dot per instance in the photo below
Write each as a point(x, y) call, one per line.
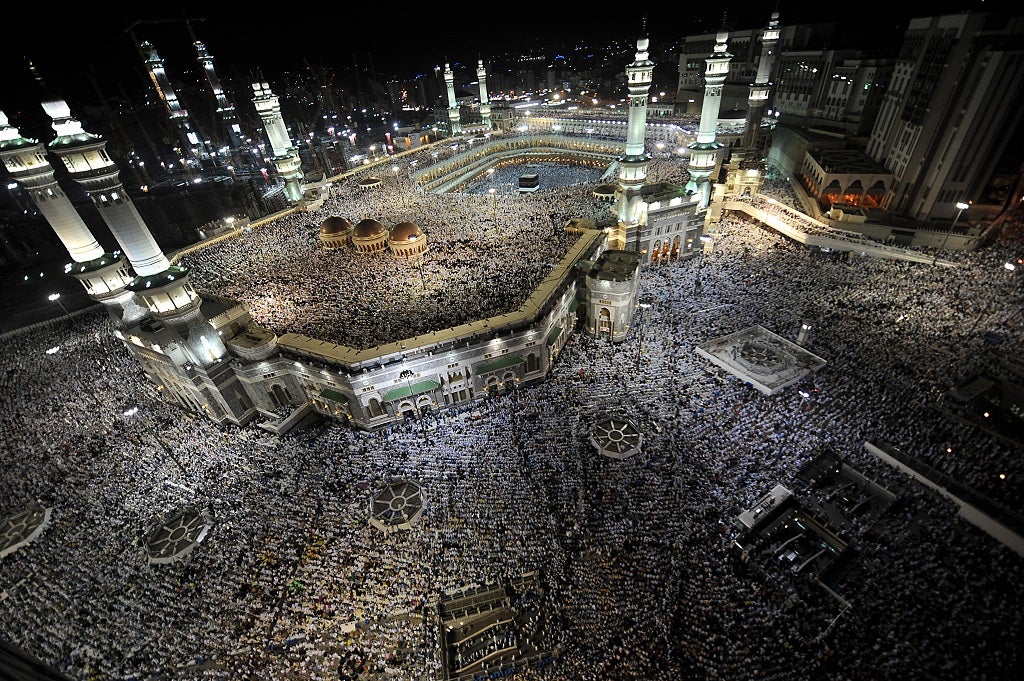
point(101, 55)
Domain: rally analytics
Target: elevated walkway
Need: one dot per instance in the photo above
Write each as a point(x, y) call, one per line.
point(806, 230)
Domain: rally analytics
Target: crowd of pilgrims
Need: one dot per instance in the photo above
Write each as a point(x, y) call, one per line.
point(640, 572)
point(486, 255)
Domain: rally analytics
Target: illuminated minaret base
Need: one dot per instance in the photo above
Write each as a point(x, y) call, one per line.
point(485, 106)
point(176, 345)
point(104, 275)
point(704, 151)
point(286, 156)
point(454, 116)
point(629, 206)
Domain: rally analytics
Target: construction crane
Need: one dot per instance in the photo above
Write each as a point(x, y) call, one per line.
point(325, 81)
point(135, 41)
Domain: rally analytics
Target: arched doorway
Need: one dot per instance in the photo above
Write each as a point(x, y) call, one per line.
point(604, 323)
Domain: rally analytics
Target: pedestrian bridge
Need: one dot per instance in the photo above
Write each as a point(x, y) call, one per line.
point(806, 230)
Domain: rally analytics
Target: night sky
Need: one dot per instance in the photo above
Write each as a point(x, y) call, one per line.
point(73, 48)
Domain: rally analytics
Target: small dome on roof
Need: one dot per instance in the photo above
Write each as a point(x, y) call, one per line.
point(368, 228)
point(405, 231)
point(335, 225)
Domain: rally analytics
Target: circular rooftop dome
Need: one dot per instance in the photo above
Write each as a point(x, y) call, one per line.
point(368, 228)
point(335, 225)
point(405, 231)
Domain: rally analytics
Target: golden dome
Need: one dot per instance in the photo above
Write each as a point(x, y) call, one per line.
point(405, 231)
point(368, 228)
point(335, 225)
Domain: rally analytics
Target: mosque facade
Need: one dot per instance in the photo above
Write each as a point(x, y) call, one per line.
point(205, 353)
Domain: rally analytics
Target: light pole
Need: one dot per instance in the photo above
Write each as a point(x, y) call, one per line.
point(146, 426)
point(960, 208)
point(803, 398)
point(419, 266)
point(640, 328)
point(55, 298)
point(494, 206)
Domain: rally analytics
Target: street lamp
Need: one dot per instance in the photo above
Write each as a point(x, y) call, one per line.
point(960, 208)
point(419, 266)
point(147, 426)
point(55, 298)
point(640, 328)
point(803, 398)
point(494, 206)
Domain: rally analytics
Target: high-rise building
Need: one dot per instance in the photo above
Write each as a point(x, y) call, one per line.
point(947, 116)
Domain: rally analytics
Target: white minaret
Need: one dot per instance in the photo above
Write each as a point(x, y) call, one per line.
point(633, 163)
point(453, 105)
point(225, 109)
point(704, 151)
point(286, 156)
point(193, 146)
point(163, 289)
point(485, 106)
point(757, 98)
point(104, 275)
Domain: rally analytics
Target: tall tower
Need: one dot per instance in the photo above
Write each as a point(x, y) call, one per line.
point(633, 163)
point(757, 98)
point(946, 115)
point(286, 156)
point(704, 150)
point(163, 289)
point(104, 275)
point(193, 148)
point(453, 105)
point(225, 109)
point(485, 105)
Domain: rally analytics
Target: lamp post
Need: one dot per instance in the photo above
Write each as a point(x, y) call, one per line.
point(960, 208)
point(407, 374)
point(147, 426)
point(55, 298)
point(419, 266)
point(640, 328)
point(494, 206)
